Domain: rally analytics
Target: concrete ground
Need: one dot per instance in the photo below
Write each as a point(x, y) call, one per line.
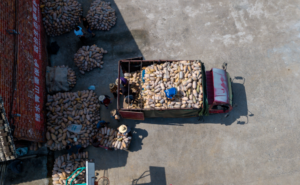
point(258, 143)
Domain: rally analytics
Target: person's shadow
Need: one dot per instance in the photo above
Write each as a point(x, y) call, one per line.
point(137, 139)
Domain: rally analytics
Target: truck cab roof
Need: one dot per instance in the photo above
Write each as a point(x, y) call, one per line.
point(217, 86)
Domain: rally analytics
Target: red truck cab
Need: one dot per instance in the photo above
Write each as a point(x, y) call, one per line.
point(219, 92)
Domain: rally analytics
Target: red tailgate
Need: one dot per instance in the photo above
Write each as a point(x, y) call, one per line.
point(132, 115)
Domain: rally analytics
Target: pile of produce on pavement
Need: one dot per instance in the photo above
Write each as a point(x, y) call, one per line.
point(183, 77)
point(101, 16)
point(60, 16)
point(7, 146)
point(111, 138)
point(65, 165)
point(106, 136)
point(122, 141)
point(69, 109)
point(89, 57)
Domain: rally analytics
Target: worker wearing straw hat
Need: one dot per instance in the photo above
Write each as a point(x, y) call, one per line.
point(124, 129)
point(123, 81)
point(113, 89)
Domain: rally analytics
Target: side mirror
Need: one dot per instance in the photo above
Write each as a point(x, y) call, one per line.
point(224, 66)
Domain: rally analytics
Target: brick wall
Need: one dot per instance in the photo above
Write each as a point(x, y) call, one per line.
point(7, 17)
point(28, 94)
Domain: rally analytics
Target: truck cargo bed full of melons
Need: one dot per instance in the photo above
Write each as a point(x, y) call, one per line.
point(132, 65)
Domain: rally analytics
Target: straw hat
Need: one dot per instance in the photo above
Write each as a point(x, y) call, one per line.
point(111, 85)
point(123, 129)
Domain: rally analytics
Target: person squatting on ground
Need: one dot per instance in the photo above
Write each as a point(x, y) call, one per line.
point(105, 100)
point(73, 148)
point(87, 26)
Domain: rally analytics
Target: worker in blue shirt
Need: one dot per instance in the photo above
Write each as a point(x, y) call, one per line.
point(102, 123)
point(80, 33)
point(73, 148)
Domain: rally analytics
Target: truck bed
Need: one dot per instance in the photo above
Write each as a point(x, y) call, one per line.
point(128, 66)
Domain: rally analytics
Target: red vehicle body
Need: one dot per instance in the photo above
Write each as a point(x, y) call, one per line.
point(216, 87)
point(219, 93)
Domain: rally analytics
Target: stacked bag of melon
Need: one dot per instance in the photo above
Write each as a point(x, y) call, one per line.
point(122, 141)
point(60, 16)
point(133, 77)
point(101, 16)
point(106, 136)
point(185, 76)
point(67, 109)
point(65, 165)
point(88, 58)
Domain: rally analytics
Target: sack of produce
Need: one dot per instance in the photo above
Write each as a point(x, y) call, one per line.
point(89, 57)
point(71, 76)
point(122, 141)
point(60, 78)
point(101, 16)
point(60, 16)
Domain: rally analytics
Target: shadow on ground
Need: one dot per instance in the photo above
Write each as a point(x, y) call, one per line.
point(240, 112)
point(137, 139)
point(157, 176)
point(120, 44)
point(34, 171)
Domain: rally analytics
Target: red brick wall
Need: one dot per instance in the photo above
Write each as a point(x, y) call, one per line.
point(29, 93)
point(7, 17)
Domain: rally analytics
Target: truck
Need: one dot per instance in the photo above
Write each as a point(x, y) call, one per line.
point(216, 84)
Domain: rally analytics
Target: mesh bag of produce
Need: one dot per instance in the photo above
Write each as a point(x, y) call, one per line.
point(60, 16)
point(101, 16)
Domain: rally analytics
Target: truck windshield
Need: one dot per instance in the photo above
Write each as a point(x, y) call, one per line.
point(220, 107)
point(229, 88)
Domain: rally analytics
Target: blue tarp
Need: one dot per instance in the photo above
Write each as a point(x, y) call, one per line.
point(170, 93)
